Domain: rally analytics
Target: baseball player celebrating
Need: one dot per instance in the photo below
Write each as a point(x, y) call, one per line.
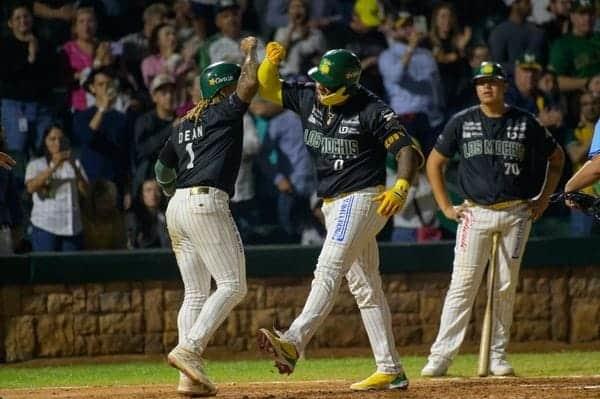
point(347, 130)
point(200, 163)
point(589, 173)
point(504, 158)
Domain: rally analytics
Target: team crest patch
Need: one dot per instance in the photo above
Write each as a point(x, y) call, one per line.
point(325, 66)
point(343, 219)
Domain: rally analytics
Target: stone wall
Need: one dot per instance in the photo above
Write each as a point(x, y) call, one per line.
point(134, 317)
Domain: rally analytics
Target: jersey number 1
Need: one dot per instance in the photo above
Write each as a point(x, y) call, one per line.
point(188, 148)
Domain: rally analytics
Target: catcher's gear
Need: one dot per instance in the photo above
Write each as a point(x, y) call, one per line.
point(491, 70)
point(275, 52)
point(586, 203)
point(216, 76)
point(339, 71)
point(392, 200)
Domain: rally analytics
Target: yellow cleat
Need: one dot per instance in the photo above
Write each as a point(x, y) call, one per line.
point(284, 352)
point(380, 381)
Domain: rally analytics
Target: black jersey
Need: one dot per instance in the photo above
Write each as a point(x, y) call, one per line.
point(209, 152)
point(502, 158)
point(348, 142)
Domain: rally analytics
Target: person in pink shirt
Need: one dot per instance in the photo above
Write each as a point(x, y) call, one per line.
point(83, 53)
point(164, 57)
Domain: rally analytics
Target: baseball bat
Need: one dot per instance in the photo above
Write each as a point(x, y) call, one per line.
point(486, 329)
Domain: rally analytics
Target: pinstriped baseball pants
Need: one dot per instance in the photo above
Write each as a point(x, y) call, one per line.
point(471, 254)
point(350, 249)
point(207, 244)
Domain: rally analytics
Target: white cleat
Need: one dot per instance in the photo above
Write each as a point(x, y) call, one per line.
point(191, 389)
point(190, 364)
point(435, 368)
point(501, 368)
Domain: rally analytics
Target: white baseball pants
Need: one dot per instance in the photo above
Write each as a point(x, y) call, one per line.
point(471, 254)
point(350, 249)
point(207, 244)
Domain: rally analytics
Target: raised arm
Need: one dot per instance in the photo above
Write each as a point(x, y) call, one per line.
point(268, 74)
point(248, 82)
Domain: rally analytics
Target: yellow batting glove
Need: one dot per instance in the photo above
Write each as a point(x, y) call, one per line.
point(392, 199)
point(275, 53)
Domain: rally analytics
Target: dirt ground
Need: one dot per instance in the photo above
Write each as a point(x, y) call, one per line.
point(446, 388)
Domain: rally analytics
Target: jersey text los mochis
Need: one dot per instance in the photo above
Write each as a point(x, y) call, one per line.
point(503, 148)
point(331, 145)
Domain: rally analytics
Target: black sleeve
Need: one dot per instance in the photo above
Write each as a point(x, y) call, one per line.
point(447, 142)
point(298, 96)
point(542, 138)
point(385, 125)
point(168, 156)
point(230, 108)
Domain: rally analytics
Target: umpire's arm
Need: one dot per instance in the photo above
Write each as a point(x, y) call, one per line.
point(586, 176)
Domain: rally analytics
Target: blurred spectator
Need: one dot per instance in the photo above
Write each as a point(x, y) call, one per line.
point(136, 46)
point(323, 13)
point(27, 77)
point(414, 86)
point(593, 85)
point(153, 128)
point(83, 53)
point(448, 43)
point(550, 103)
point(465, 90)
point(184, 20)
point(56, 180)
point(509, 40)
point(11, 214)
point(578, 147)
point(522, 90)
point(190, 93)
point(164, 58)
point(243, 203)
point(303, 44)
point(54, 19)
point(559, 24)
point(367, 42)
point(103, 223)
point(576, 56)
point(225, 45)
point(293, 173)
point(102, 133)
point(146, 223)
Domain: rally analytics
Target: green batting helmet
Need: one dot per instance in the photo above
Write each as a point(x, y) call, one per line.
point(490, 70)
point(216, 76)
point(337, 68)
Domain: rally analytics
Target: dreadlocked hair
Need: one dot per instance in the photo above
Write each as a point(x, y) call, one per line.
point(195, 113)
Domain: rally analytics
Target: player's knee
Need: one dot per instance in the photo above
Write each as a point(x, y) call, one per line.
point(236, 291)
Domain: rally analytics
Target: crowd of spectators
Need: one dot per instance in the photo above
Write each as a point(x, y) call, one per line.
point(90, 88)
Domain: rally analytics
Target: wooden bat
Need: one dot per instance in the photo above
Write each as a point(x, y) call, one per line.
point(486, 329)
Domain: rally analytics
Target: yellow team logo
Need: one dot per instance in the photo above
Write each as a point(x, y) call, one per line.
point(488, 69)
point(325, 66)
point(211, 82)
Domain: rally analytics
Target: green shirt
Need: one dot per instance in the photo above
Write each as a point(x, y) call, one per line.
point(576, 56)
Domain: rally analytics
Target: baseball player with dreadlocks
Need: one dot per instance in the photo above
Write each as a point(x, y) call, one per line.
point(347, 130)
point(199, 164)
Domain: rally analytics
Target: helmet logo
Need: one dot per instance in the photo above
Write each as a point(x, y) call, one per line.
point(487, 68)
point(325, 66)
point(215, 81)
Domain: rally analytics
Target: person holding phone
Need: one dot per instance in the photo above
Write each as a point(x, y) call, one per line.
point(56, 181)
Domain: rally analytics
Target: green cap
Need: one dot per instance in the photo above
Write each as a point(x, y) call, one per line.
point(489, 70)
point(581, 6)
point(337, 68)
point(216, 76)
point(528, 61)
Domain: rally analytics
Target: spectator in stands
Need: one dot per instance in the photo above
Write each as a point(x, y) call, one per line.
point(578, 147)
point(366, 41)
point(593, 85)
point(559, 24)
point(136, 46)
point(56, 180)
point(448, 43)
point(550, 103)
point(146, 223)
point(225, 45)
point(183, 20)
point(522, 91)
point(303, 44)
point(102, 133)
point(465, 97)
point(164, 58)
point(576, 56)
point(324, 13)
point(414, 86)
point(11, 214)
point(83, 53)
point(54, 19)
point(510, 39)
point(103, 222)
point(190, 93)
point(27, 75)
point(153, 128)
point(292, 174)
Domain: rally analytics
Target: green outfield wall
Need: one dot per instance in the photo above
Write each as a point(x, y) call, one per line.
point(116, 302)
